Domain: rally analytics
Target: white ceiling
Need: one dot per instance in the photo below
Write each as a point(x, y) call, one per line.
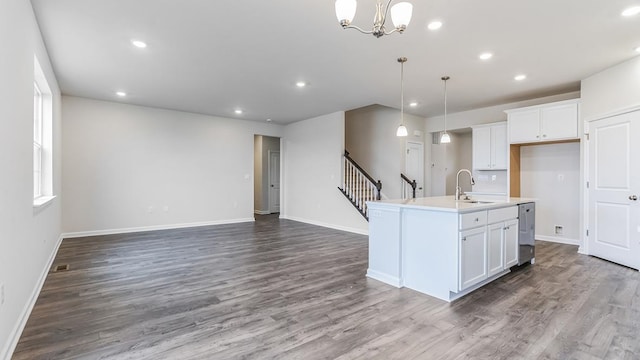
point(212, 57)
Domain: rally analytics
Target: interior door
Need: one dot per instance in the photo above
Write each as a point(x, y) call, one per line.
point(614, 177)
point(415, 166)
point(274, 181)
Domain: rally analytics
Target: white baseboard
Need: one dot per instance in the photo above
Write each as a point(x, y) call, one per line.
point(387, 279)
point(558, 240)
point(330, 226)
point(152, 228)
point(14, 336)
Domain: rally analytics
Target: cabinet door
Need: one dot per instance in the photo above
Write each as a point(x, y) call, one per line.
point(495, 253)
point(511, 243)
point(481, 138)
point(559, 122)
point(524, 126)
point(499, 147)
point(473, 257)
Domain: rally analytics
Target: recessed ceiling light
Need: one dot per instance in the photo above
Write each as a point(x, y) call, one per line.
point(238, 111)
point(121, 93)
point(632, 11)
point(485, 56)
point(139, 44)
point(269, 120)
point(434, 25)
point(413, 104)
point(301, 84)
point(638, 49)
point(520, 77)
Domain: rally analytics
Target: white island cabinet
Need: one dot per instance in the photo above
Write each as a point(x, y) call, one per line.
point(442, 247)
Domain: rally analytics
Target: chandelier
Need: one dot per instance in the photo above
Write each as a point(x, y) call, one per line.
point(400, 15)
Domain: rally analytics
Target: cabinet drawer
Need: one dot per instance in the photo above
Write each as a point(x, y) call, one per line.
point(474, 219)
point(502, 214)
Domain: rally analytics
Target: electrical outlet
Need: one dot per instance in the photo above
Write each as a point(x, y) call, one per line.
point(1, 294)
point(558, 229)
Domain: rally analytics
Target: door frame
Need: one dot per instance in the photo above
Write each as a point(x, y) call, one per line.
point(421, 144)
point(269, 196)
point(586, 211)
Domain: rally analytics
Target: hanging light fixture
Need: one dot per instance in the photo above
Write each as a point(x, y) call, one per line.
point(445, 139)
point(402, 130)
point(400, 16)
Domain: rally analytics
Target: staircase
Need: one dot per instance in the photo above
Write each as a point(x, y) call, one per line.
point(358, 186)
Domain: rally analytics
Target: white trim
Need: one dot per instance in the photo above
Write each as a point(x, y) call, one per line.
point(330, 226)
point(15, 334)
point(153, 228)
point(42, 201)
point(261, 212)
point(558, 240)
point(387, 279)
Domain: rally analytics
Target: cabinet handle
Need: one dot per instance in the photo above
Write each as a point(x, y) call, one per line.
point(545, 135)
point(537, 136)
point(633, 197)
point(476, 220)
point(464, 238)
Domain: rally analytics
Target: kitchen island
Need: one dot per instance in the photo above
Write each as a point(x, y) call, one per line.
point(440, 246)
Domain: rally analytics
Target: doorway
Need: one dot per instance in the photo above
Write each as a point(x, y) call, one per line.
point(414, 167)
point(266, 171)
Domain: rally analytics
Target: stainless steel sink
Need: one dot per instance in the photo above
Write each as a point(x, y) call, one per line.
point(477, 202)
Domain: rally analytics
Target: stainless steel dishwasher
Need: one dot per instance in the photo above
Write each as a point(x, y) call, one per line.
point(526, 233)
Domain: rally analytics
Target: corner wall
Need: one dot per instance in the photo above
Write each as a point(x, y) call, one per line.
point(312, 172)
point(28, 237)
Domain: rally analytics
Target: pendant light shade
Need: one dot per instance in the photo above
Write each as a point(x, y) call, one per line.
point(402, 130)
point(445, 138)
point(346, 10)
point(401, 14)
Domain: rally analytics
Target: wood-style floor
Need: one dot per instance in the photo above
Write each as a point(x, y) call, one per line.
point(280, 289)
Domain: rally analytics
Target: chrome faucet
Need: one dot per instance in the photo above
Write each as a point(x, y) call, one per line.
point(458, 188)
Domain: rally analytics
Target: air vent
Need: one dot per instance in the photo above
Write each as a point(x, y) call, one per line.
point(64, 267)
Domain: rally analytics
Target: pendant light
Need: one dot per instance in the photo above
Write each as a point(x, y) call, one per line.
point(402, 130)
point(445, 139)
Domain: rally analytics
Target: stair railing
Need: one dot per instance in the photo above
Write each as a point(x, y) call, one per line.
point(406, 181)
point(358, 186)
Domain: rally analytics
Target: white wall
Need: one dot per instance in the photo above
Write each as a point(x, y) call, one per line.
point(131, 167)
point(263, 144)
point(28, 237)
point(372, 142)
point(446, 160)
point(551, 174)
point(312, 172)
point(614, 89)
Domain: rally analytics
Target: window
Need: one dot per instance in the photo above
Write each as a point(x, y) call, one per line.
point(42, 138)
point(37, 141)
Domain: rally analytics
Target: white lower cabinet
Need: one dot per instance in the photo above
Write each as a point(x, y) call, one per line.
point(496, 254)
point(473, 257)
point(487, 250)
point(511, 243)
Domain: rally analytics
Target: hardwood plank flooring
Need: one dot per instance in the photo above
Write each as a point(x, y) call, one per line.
point(279, 289)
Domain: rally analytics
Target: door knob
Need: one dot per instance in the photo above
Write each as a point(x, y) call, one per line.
point(633, 197)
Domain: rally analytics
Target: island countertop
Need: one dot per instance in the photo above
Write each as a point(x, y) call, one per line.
point(449, 204)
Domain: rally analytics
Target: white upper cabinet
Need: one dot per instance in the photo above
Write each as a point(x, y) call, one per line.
point(490, 147)
point(548, 122)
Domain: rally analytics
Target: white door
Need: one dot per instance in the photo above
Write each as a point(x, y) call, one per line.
point(415, 166)
point(614, 186)
point(274, 181)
